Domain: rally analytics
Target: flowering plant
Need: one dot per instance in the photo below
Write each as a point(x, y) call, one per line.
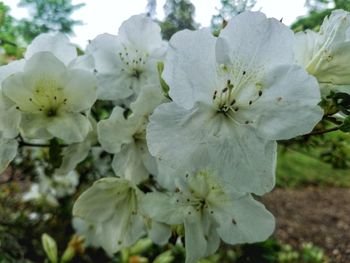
point(193, 128)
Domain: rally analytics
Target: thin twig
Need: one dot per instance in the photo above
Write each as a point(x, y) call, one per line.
point(323, 131)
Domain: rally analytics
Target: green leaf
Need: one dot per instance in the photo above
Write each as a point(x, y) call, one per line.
point(50, 247)
point(163, 84)
point(345, 127)
point(55, 154)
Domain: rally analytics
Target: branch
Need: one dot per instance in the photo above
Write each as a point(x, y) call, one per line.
point(323, 131)
point(23, 143)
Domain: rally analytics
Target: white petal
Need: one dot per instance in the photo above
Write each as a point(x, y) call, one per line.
point(84, 62)
point(113, 86)
point(142, 32)
point(288, 105)
point(80, 90)
point(8, 151)
point(195, 242)
point(34, 126)
point(190, 67)
point(244, 221)
point(77, 152)
point(106, 42)
point(97, 204)
point(115, 131)
point(163, 208)
point(18, 89)
point(149, 98)
point(58, 44)
point(159, 233)
point(335, 67)
point(128, 163)
point(306, 46)
point(73, 155)
point(9, 118)
point(255, 40)
point(326, 88)
point(70, 127)
point(112, 204)
point(11, 68)
point(200, 137)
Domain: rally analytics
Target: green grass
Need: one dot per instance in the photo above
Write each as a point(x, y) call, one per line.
point(295, 169)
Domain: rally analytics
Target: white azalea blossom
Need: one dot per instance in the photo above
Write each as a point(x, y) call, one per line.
point(326, 54)
point(125, 137)
point(126, 62)
point(86, 230)
point(8, 151)
point(230, 105)
point(9, 116)
point(49, 97)
point(75, 153)
point(56, 43)
point(48, 189)
point(209, 214)
point(111, 205)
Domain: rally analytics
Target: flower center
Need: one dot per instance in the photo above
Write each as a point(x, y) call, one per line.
point(133, 61)
point(48, 97)
point(241, 89)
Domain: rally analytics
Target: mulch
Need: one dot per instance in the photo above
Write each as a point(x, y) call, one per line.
point(317, 215)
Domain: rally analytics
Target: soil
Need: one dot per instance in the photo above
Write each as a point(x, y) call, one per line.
point(320, 216)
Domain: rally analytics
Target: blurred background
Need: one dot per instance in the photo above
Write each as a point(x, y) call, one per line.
point(311, 201)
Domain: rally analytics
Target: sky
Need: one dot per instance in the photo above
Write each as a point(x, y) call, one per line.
point(105, 16)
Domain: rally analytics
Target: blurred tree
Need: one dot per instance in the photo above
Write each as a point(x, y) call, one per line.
point(319, 9)
point(48, 15)
point(8, 34)
point(228, 9)
point(178, 16)
point(151, 8)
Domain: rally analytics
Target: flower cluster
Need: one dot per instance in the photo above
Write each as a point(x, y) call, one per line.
point(192, 142)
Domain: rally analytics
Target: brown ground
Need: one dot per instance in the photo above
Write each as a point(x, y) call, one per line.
point(320, 216)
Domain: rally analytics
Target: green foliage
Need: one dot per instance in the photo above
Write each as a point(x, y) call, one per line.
point(178, 16)
point(318, 11)
point(8, 33)
point(298, 167)
point(228, 9)
point(47, 16)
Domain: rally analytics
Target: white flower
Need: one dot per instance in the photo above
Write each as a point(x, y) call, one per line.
point(126, 62)
point(48, 189)
point(75, 153)
point(326, 54)
point(125, 137)
point(58, 44)
point(111, 205)
point(8, 151)
point(88, 231)
point(9, 116)
point(209, 214)
point(232, 97)
point(51, 98)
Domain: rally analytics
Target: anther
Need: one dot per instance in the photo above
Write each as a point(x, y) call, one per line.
point(260, 93)
point(244, 72)
point(214, 96)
